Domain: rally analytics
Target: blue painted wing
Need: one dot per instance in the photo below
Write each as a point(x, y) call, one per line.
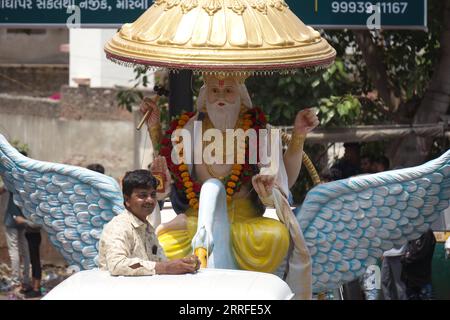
point(347, 224)
point(72, 204)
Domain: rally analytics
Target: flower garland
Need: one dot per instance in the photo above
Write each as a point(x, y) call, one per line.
point(240, 173)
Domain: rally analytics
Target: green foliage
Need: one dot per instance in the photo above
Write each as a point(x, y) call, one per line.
point(411, 56)
point(282, 97)
point(343, 93)
point(21, 147)
point(129, 97)
point(338, 111)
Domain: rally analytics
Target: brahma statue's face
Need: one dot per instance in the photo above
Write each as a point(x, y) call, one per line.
point(223, 102)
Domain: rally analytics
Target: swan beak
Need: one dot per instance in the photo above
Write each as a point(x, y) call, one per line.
point(202, 255)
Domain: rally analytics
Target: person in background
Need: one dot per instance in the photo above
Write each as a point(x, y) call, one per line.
point(33, 236)
point(96, 167)
point(380, 164)
point(392, 285)
point(17, 245)
point(416, 267)
point(349, 165)
point(371, 283)
point(24, 239)
point(366, 164)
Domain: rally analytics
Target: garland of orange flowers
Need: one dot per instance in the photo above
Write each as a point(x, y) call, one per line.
point(240, 174)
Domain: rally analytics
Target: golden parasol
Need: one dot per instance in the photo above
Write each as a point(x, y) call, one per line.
point(222, 37)
point(230, 37)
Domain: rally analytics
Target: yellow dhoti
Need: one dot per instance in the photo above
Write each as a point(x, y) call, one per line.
point(258, 243)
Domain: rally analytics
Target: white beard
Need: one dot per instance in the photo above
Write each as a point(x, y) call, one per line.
point(224, 117)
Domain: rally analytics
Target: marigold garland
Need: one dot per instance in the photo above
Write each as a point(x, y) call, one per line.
point(240, 173)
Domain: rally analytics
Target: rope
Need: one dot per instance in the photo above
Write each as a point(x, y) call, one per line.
point(286, 138)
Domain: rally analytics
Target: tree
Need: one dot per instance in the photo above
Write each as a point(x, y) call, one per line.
point(383, 77)
point(415, 91)
point(395, 77)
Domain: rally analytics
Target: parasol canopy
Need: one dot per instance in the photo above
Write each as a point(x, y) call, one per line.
point(220, 36)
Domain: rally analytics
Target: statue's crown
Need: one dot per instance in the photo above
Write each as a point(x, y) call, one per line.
point(212, 78)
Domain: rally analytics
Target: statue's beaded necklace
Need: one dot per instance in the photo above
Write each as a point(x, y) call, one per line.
point(240, 173)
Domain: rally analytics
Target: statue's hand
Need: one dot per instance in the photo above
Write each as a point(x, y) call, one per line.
point(305, 121)
point(150, 104)
point(263, 185)
point(159, 165)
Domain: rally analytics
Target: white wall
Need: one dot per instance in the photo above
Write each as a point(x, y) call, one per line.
point(115, 144)
point(88, 60)
point(85, 56)
point(35, 48)
point(110, 143)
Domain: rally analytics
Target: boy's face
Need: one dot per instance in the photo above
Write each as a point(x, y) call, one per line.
point(378, 167)
point(366, 165)
point(142, 202)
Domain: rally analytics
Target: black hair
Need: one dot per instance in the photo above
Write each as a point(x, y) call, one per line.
point(96, 167)
point(138, 179)
point(352, 145)
point(367, 156)
point(383, 160)
point(327, 176)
